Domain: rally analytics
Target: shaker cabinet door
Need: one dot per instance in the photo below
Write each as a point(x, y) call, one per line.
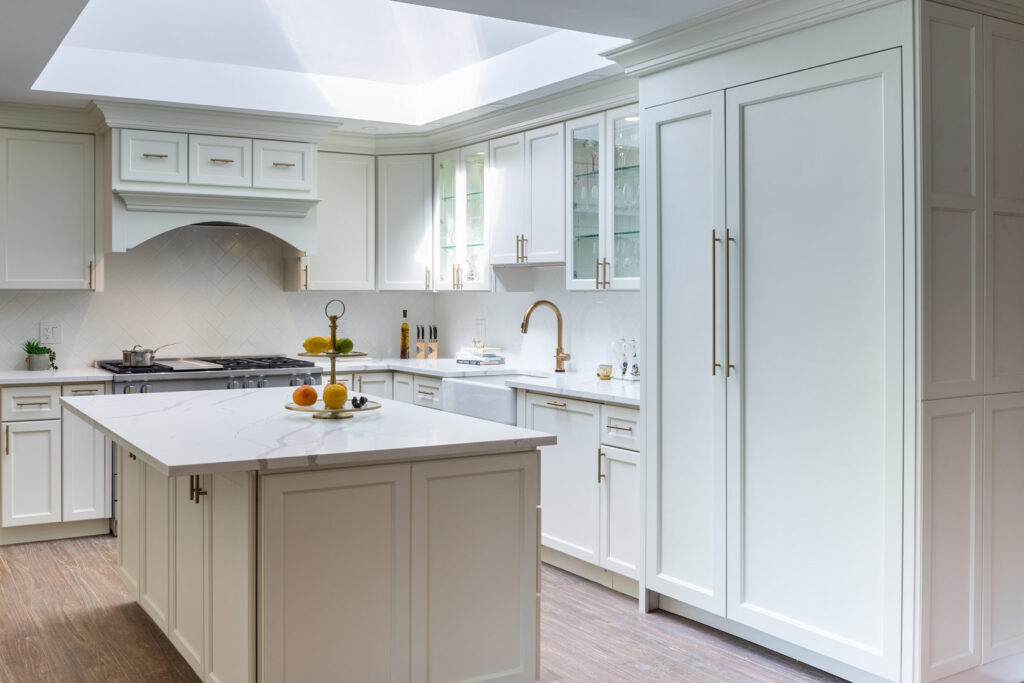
point(405, 222)
point(30, 473)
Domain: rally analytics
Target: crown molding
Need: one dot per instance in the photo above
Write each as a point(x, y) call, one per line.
point(1011, 10)
point(744, 23)
point(211, 121)
point(47, 117)
point(228, 205)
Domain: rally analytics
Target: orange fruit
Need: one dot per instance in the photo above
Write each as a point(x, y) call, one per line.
point(304, 395)
point(335, 395)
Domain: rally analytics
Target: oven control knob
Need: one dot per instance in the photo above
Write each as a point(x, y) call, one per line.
point(294, 381)
point(308, 379)
point(262, 382)
point(130, 389)
point(146, 388)
point(234, 383)
point(250, 382)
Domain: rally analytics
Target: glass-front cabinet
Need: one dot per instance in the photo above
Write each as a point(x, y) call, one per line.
point(603, 211)
point(460, 235)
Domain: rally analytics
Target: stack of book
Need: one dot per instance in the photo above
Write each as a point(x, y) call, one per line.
point(484, 355)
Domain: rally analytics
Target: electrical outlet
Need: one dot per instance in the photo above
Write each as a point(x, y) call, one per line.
point(50, 332)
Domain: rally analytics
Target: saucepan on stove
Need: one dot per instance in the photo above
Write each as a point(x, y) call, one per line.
point(138, 357)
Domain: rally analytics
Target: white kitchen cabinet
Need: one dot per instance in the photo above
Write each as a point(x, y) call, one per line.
point(405, 222)
point(620, 511)
point(374, 383)
point(570, 494)
point(402, 387)
point(129, 528)
point(187, 625)
point(685, 506)
point(526, 200)
point(602, 158)
point(85, 462)
point(346, 228)
point(219, 160)
point(47, 225)
point(362, 542)
point(460, 233)
point(154, 156)
point(31, 402)
point(281, 165)
point(426, 391)
point(156, 573)
point(461, 601)
point(30, 473)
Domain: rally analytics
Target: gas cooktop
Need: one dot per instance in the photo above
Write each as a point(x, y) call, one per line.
point(207, 364)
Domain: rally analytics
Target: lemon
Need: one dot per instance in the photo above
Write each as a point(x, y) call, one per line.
point(335, 396)
point(316, 344)
point(344, 345)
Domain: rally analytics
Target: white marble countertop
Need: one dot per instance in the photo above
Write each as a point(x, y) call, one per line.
point(198, 432)
point(580, 385)
point(441, 367)
point(63, 376)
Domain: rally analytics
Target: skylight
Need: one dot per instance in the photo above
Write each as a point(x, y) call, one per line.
point(362, 59)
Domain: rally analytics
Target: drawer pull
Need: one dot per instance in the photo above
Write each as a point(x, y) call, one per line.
point(37, 403)
point(79, 392)
point(153, 155)
point(7, 445)
point(425, 393)
point(621, 429)
point(283, 164)
point(556, 404)
point(132, 456)
point(215, 160)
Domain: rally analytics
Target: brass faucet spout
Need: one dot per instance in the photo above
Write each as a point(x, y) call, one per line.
point(560, 355)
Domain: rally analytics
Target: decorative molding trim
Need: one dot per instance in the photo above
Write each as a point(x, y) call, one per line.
point(211, 121)
point(1011, 10)
point(747, 22)
point(47, 117)
point(230, 205)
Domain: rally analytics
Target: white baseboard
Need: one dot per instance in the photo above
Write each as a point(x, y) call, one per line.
point(591, 572)
point(52, 532)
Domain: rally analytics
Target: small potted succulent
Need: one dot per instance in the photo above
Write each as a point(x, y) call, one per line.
point(40, 357)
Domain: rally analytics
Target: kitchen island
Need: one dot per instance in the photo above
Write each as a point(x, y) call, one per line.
point(400, 544)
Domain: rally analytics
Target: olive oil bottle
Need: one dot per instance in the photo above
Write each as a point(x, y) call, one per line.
point(405, 334)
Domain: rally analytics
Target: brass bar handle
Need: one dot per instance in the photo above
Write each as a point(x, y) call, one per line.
point(600, 474)
point(90, 274)
point(283, 164)
point(191, 487)
point(715, 240)
point(556, 404)
point(621, 429)
point(133, 456)
point(360, 383)
point(7, 442)
point(153, 155)
point(424, 393)
point(729, 367)
point(306, 270)
point(199, 491)
point(80, 392)
point(216, 160)
point(37, 403)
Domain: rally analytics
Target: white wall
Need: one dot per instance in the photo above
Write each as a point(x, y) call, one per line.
point(592, 320)
point(218, 291)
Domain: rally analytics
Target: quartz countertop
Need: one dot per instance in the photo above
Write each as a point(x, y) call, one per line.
point(579, 385)
point(10, 378)
point(440, 367)
point(198, 432)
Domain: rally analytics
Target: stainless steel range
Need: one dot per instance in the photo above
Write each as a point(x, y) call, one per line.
point(223, 372)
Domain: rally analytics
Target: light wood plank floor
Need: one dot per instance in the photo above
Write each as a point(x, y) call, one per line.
point(65, 617)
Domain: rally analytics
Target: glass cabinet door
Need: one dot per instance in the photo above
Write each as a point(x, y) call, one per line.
point(583, 151)
point(445, 171)
point(473, 257)
point(623, 247)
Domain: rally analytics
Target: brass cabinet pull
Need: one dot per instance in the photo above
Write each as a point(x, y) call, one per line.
point(600, 474)
point(133, 456)
point(79, 392)
point(306, 284)
point(360, 383)
point(7, 442)
point(621, 429)
point(556, 404)
point(153, 155)
point(37, 403)
point(191, 487)
point(282, 164)
point(215, 160)
point(715, 365)
point(729, 367)
point(424, 393)
point(195, 489)
point(90, 274)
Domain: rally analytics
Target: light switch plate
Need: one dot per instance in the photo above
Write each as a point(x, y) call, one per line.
point(50, 332)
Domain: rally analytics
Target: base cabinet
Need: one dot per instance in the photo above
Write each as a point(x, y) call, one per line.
point(402, 387)
point(85, 463)
point(378, 384)
point(30, 473)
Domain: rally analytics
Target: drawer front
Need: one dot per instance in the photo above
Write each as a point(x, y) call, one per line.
point(153, 156)
point(30, 403)
point(620, 427)
point(214, 160)
point(92, 389)
point(427, 392)
point(282, 165)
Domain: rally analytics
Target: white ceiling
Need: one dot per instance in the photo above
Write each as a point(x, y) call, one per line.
point(30, 31)
point(623, 18)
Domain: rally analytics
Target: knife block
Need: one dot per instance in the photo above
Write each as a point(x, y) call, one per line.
point(432, 349)
point(421, 349)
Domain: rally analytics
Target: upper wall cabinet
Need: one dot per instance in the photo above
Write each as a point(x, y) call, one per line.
point(47, 220)
point(526, 206)
point(404, 249)
point(603, 207)
point(460, 235)
point(345, 226)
